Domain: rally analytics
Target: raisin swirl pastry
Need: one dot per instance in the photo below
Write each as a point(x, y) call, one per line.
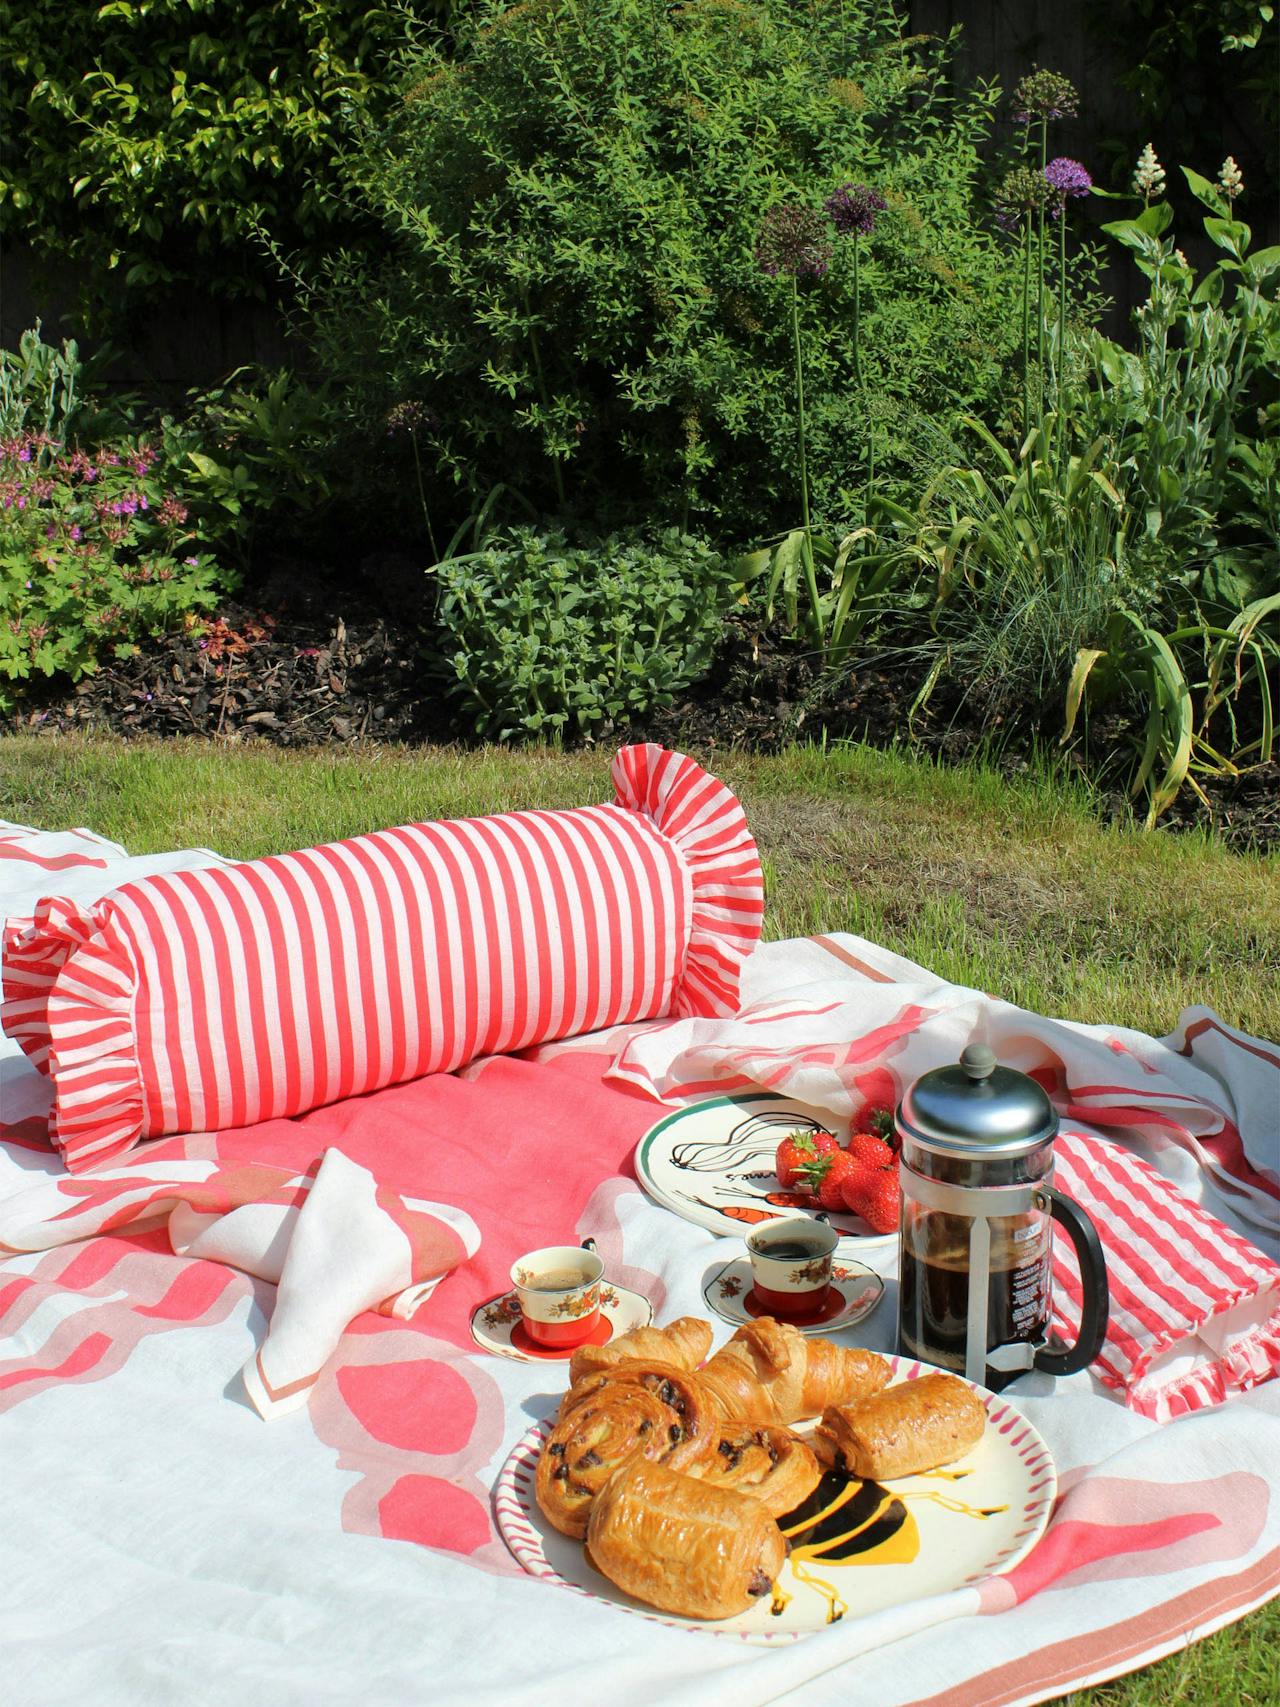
point(771, 1464)
point(648, 1414)
point(683, 1545)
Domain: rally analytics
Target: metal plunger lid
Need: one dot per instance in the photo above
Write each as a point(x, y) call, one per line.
point(977, 1109)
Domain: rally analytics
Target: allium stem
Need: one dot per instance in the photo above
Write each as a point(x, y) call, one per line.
point(422, 496)
point(857, 312)
point(1062, 313)
point(1040, 330)
point(1026, 328)
point(810, 575)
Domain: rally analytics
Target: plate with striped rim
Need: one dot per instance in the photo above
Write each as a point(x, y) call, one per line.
point(919, 1536)
point(713, 1164)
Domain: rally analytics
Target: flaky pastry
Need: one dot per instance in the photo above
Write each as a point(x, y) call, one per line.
point(684, 1545)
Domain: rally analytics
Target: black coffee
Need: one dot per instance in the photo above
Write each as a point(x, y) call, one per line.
point(785, 1249)
point(933, 1309)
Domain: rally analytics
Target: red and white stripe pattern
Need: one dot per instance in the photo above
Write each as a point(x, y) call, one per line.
point(219, 997)
point(1180, 1282)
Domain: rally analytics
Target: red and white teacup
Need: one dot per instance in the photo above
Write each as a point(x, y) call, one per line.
point(559, 1292)
point(791, 1261)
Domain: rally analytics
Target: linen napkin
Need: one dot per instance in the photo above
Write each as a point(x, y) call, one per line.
point(333, 1242)
point(351, 1245)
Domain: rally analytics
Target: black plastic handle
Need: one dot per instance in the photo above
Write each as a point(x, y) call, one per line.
point(1096, 1303)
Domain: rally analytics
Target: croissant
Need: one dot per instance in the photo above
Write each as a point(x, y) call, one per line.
point(684, 1342)
point(634, 1412)
point(914, 1426)
point(684, 1545)
point(770, 1373)
point(771, 1464)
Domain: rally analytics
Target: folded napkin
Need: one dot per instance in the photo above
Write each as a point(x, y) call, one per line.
point(1195, 1309)
point(334, 1243)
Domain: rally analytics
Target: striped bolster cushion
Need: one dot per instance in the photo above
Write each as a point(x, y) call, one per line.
point(204, 999)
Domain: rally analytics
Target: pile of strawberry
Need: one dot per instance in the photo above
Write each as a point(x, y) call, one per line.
point(862, 1178)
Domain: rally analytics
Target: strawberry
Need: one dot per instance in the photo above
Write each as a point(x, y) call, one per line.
point(797, 1151)
point(875, 1195)
point(871, 1151)
point(828, 1174)
point(879, 1123)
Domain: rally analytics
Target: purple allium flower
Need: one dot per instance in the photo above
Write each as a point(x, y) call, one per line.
point(792, 239)
point(853, 209)
point(1067, 177)
point(410, 417)
point(1044, 95)
point(1022, 192)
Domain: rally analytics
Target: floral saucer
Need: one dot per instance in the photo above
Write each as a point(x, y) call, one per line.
point(497, 1326)
point(854, 1293)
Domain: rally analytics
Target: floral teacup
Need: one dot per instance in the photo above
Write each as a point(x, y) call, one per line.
point(791, 1266)
point(559, 1292)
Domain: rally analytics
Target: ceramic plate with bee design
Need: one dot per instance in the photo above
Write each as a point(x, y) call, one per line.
point(856, 1548)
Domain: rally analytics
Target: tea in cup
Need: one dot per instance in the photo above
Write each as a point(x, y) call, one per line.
point(559, 1292)
point(791, 1263)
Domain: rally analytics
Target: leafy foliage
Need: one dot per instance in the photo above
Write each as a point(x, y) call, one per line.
point(1194, 411)
point(544, 638)
point(198, 124)
point(571, 207)
point(95, 551)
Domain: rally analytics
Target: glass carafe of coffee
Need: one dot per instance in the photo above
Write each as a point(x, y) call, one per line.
point(978, 1207)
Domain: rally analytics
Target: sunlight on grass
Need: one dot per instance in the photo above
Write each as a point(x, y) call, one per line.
point(1012, 887)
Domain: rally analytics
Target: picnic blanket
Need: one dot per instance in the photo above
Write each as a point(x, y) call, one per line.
point(176, 1548)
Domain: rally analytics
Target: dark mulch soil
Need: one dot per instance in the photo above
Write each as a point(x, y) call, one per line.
point(290, 670)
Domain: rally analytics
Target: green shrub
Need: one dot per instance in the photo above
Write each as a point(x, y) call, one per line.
point(94, 553)
point(570, 210)
point(543, 639)
point(1193, 411)
point(110, 530)
point(151, 141)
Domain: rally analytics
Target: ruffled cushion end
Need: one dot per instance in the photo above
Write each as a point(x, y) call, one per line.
point(69, 981)
point(705, 823)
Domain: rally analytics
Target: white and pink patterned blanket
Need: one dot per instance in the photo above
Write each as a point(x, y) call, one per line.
point(323, 1271)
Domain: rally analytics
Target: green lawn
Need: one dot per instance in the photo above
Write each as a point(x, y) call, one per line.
point(1013, 887)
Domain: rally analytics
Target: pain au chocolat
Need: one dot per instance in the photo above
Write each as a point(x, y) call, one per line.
point(682, 1544)
point(917, 1425)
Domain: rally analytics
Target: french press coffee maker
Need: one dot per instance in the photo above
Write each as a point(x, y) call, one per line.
point(978, 1206)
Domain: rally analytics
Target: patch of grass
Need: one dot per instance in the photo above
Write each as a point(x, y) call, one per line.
point(1235, 1667)
point(1012, 887)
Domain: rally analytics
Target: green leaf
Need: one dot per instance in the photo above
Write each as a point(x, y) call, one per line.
point(1206, 193)
point(1086, 658)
